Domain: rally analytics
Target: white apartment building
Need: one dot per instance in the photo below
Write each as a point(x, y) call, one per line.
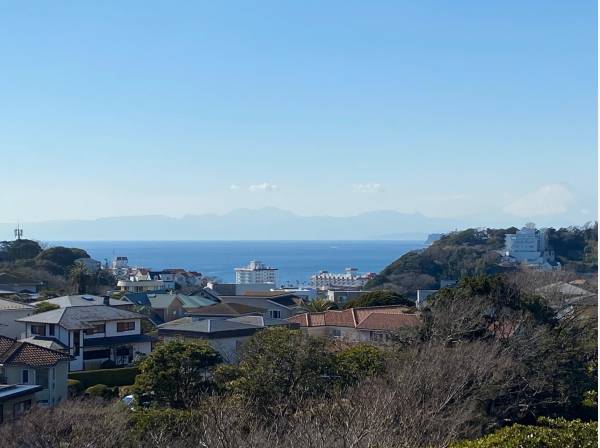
point(528, 246)
point(255, 272)
point(351, 278)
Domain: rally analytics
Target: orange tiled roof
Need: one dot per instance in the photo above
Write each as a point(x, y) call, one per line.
point(376, 318)
point(25, 353)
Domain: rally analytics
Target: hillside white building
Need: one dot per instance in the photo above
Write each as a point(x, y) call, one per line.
point(351, 278)
point(529, 246)
point(255, 272)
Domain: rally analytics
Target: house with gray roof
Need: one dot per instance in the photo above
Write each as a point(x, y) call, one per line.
point(10, 311)
point(225, 335)
point(85, 300)
point(162, 308)
point(93, 334)
point(276, 304)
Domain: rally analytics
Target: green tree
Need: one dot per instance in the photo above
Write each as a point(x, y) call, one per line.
point(59, 259)
point(79, 279)
point(318, 306)
point(42, 307)
point(378, 298)
point(176, 373)
point(280, 367)
point(358, 362)
point(19, 250)
point(549, 433)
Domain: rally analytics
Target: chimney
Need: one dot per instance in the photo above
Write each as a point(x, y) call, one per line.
point(106, 300)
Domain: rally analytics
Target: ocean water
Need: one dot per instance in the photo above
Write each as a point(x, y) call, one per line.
point(296, 260)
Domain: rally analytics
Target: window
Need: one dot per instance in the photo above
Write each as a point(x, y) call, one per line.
point(41, 377)
point(21, 407)
point(1, 413)
point(376, 336)
point(76, 342)
point(275, 314)
point(51, 329)
point(39, 330)
point(125, 326)
point(336, 332)
point(25, 376)
point(97, 328)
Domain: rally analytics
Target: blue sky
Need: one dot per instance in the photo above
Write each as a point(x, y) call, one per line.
point(319, 107)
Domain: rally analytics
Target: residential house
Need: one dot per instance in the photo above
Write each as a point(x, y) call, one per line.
point(275, 304)
point(93, 334)
point(86, 300)
point(15, 400)
point(9, 312)
point(343, 296)
point(225, 335)
point(133, 285)
point(226, 310)
point(372, 324)
point(24, 363)
point(92, 266)
point(161, 308)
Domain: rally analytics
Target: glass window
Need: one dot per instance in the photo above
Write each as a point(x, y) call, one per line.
point(25, 376)
point(21, 407)
point(39, 330)
point(98, 328)
point(125, 326)
point(41, 377)
point(51, 329)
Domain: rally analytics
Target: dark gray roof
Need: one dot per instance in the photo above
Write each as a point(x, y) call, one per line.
point(10, 391)
point(137, 298)
point(214, 327)
point(79, 317)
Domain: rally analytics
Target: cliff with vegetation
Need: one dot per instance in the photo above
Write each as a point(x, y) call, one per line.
point(477, 252)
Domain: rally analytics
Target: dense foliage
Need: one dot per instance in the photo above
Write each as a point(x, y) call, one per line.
point(176, 373)
point(548, 433)
point(378, 298)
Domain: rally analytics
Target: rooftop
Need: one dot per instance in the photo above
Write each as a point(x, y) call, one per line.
point(81, 317)
point(226, 309)
point(82, 300)
point(12, 305)
point(13, 352)
point(371, 318)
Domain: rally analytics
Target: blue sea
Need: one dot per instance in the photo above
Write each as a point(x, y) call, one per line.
point(296, 260)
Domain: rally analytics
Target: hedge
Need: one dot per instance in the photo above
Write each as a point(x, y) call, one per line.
point(110, 377)
point(549, 433)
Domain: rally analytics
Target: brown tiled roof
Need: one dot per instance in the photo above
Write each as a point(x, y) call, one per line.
point(390, 322)
point(376, 318)
point(225, 309)
point(24, 353)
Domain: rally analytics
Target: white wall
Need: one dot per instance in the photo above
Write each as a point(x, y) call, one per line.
point(8, 326)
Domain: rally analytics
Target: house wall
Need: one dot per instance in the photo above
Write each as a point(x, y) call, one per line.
point(56, 390)
point(228, 348)
point(8, 326)
point(7, 406)
point(343, 333)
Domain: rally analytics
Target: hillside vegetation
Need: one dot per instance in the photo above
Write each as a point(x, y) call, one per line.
point(473, 252)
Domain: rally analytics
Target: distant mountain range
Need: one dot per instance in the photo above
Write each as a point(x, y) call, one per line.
point(242, 224)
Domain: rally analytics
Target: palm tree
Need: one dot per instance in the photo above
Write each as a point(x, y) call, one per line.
point(318, 306)
point(78, 278)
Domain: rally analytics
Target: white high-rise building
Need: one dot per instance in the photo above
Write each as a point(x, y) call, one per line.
point(255, 272)
point(529, 246)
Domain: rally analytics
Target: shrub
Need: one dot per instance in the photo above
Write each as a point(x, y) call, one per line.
point(102, 391)
point(75, 387)
point(552, 433)
point(111, 377)
point(108, 364)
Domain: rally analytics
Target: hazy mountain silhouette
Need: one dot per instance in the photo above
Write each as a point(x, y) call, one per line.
point(241, 224)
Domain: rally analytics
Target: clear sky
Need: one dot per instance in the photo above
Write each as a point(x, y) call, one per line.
point(447, 108)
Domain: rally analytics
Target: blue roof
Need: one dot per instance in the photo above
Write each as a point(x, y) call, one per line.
point(10, 391)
